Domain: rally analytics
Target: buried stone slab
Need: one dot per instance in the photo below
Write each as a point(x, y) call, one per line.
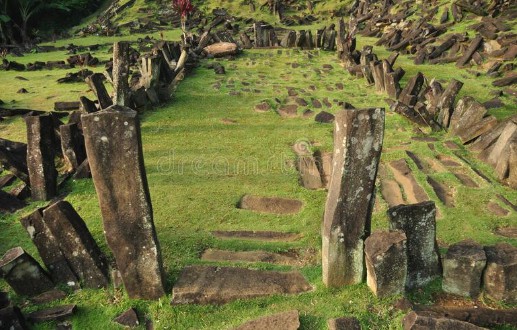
point(265, 236)
point(444, 192)
point(344, 323)
point(358, 136)
point(57, 313)
point(250, 256)
point(23, 273)
point(420, 321)
point(391, 193)
point(282, 321)
point(219, 285)
point(386, 262)
point(500, 276)
point(40, 157)
point(48, 249)
point(463, 267)
point(275, 205)
point(77, 244)
point(114, 148)
point(418, 221)
point(403, 175)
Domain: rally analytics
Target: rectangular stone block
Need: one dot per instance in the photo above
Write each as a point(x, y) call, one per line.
point(114, 148)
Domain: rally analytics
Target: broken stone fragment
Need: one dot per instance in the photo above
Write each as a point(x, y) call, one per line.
point(23, 273)
point(128, 318)
point(463, 267)
point(386, 262)
point(500, 276)
point(418, 221)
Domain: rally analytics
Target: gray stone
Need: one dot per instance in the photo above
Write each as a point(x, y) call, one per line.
point(500, 277)
point(72, 145)
point(114, 147)
point(418, 221)
point(121, 91)
point(275, 205)
point(309, 173)
point(23, 273)
point(281, 321)
point(48, 249)
point(219, 285)
point(40, 157)
point(358, 136)
point(77, 244)
point(386, 262)
point(344, 323)
point(463, 267)
point(414, 321)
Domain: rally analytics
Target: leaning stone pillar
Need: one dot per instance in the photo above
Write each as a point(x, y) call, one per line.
point(358, 136)
point(40, 157)
point(23, 273)
point(114, 149)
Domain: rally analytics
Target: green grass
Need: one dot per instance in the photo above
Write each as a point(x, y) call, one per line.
point(199, 167)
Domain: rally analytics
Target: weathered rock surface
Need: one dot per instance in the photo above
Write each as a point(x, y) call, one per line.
point(414, 321)
point(114, 147)
point(249, 256)
point(418, 221)
point(219, 285)
point(386, 262)
point(309, 173)
point(344, 323)
point(463, 267)
point(275, 205)
point(221, 49)
point(40, 157)
point(48, 249)
point(128, 318)
point(23, 273)
point(281, 321)
point(57, 313)
point(266, 236)
point(500, 277)
point(77, 244)
point(358, 137)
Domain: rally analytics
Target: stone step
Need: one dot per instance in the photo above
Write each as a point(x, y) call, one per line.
point(265, 236)
point(219, 285)
point(274, 205)
point(286, 258)
point(403, 175)
point(281, 321)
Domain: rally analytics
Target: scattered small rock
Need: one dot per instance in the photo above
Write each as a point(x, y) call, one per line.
point(324, 117)
point(22, 91)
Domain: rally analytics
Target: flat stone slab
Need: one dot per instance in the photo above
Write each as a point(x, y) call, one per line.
point(510, 232)
point(447, 161)
point(403, 175)
point(391, 193)
point(52, 314)
point(466, 180)
point(444, 192)
point(275, 205)
point(251, 256)
point(219, 285)
point(495, 209)
point(265, 236)
point(282, 321)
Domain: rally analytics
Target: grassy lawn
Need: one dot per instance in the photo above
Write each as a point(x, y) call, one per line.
point(199, 166)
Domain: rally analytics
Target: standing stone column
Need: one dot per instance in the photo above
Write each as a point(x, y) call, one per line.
point(40, 157)
point(72, 145)
point(48, 249)
point(358, 136)
point(23, 273)
point(114, 149)
point(418, 221)
point(121, 73)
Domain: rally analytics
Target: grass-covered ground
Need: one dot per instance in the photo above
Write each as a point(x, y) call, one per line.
point(199, 163)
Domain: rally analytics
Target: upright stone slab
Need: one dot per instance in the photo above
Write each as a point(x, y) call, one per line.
point(446, 102)
point(77, 244)
point(72, 145)
point(121, 91)
point(500, 277)
point(48, 249)
point(358, 136)
point(114, 148)
point(418, 221)
point(386, 262)
point(40, 157)
point(23, 273)
point(463, 267)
